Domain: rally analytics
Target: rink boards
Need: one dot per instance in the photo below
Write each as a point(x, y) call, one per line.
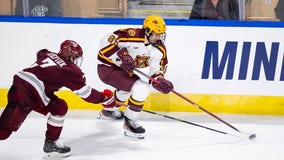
point(226, 67)
point(238, 104)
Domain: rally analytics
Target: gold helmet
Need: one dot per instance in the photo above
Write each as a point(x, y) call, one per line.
point(154, 23)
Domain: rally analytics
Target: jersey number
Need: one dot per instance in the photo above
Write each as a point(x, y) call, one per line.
point(47, 63)
point(111, 39)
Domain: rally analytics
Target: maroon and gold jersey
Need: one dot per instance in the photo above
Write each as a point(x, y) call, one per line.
point(154, 57)
point(50, 73)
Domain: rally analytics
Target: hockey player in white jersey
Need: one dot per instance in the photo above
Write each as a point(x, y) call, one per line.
point(120, 53)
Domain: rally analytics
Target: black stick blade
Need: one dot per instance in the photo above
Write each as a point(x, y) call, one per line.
point(252, 136)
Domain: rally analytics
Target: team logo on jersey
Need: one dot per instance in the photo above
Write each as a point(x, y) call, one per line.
point(141, 61)
point(131, 32)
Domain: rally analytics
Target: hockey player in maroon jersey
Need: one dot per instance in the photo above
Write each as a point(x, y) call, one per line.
point(121, 52)
point(33, 90)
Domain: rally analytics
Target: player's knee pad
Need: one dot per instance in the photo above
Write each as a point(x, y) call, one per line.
point(140, 90)
point(122, 95)
point(58, 106)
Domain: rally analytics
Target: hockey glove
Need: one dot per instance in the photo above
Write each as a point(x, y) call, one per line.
point(109, 101)
point(127, 62)
point(162, 85)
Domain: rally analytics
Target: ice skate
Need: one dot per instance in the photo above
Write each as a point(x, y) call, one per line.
point(55, 149)
point(133, 129)
point(115, 114)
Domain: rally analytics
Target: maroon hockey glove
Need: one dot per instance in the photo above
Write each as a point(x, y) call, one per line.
point(127, 61)
point(109, 101)
point(162, 85)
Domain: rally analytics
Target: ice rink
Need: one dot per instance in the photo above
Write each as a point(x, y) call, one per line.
point(94, 139)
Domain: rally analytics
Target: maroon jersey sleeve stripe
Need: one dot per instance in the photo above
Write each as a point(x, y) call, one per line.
point(164, 60)
point(106, 52)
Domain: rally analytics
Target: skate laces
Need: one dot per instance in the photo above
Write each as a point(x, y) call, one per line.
point(117, 113)
point(114, 111)
point(59, 143)
point(134, 124)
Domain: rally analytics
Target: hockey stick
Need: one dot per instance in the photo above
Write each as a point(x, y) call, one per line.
point(187, 122)
point(181, 120)
point(196, 105)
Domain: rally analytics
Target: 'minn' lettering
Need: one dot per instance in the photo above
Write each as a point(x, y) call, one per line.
point(262, 60)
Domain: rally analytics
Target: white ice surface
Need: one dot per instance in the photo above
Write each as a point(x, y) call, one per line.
point(94, 139)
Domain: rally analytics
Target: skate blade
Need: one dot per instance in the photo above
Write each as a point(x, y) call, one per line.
point(134, 135)
point(56, 155)
point(103, 117)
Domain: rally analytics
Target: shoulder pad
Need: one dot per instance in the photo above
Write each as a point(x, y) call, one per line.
point(42, 53)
